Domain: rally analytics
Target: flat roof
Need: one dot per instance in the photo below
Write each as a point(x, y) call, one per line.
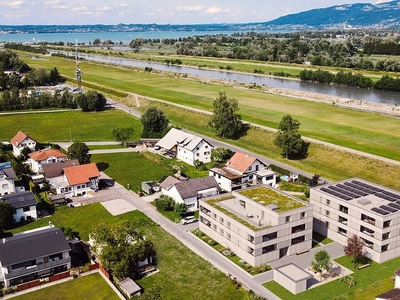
point(267, 196)
point(294, 272)
point(378, 200)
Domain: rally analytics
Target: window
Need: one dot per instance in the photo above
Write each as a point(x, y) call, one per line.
point(78, 187)
point(270, 236)
point(269, 248)
point(386, 224)
point(221, 231)
point(228, 224)
point(287, 219)
point(250, 168)
point(214, 216)
point(343, 220)
point(384, 248)
point(27, 208)
point(342, 231)
point(298, 228)
point(197, 154)
point(327, 224)
point(228, 236)
point(328, 202)
point(221, 220)
point(298, 240)
point(5, 186)
point(206, 146)
point(343, 209)
point(327, 212)
point(197, 148)
point(385, 236)
point(302, 215)
point(214, 227)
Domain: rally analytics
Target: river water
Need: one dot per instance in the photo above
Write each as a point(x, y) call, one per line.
point(332, 90)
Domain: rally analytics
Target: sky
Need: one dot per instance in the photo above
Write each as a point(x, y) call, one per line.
point(73, 12)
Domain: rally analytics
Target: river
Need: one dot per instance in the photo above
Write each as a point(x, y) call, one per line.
point(332, 90)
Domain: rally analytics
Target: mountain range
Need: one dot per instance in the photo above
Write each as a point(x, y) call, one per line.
point(359, 15)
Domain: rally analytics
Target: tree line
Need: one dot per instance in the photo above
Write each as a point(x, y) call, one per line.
point(386, 83)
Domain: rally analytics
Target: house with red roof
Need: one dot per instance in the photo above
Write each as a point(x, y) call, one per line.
point(20, 141)
point(44, 157)
point(242, 170)
point(79, 180)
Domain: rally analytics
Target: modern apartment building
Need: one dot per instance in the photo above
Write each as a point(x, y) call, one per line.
point(259, 224)
point(356, 206)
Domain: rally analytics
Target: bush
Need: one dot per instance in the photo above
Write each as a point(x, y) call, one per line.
point(211, 242)
point(263, 268)
point(165, 203)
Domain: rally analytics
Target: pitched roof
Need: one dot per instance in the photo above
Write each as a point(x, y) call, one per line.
point(45, 154)
point(184, 139)
point(81, 174)
point(240, 162)
point(30, 245)
point(169, 182)
point(8, 172)
point(390, 295)
point(19, 200)
point(56, 169)
point(190, 188)
point(19, 138)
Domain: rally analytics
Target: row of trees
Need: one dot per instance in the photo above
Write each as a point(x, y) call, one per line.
point(386, 83)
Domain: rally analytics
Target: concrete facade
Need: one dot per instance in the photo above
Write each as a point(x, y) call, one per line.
point(292, 278)
point(258, 231)
point(359, 207)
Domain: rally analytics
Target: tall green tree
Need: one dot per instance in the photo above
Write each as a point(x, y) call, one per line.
point(225, 121)
point(354, 248)
point(154, 122)
point(289, 139)
point(322, 262)
point(123, 134)
point(6, 215)
point(79, 151)
point(91, 101)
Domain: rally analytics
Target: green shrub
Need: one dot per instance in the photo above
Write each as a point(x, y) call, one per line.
point(165, 203)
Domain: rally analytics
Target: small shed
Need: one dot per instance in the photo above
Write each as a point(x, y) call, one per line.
point(57, 199)
point(130, 287)
point(292, 278)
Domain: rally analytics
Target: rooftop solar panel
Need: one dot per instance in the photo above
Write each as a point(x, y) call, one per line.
point(388, 208)
point(395, 205)
point(380, 211)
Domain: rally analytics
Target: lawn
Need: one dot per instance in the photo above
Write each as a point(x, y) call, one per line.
point(130, 168)
point(371, 282)
point(86, 287)
point(345, 127)
point(175, 261)
point(60, 126)
point(321, 239)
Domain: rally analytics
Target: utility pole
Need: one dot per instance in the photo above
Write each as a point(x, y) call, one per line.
point(78, 73)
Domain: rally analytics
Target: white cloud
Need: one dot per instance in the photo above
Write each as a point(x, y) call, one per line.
point(105, 8)
point(382, 1)
point(214, 10)
point(13, 4)
point(79, 8)
point(52, 2)
point(190, 8)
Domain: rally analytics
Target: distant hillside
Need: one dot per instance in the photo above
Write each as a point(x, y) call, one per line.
point(359, 15)
point(384, 15)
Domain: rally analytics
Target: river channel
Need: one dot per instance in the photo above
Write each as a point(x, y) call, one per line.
point(332, 90)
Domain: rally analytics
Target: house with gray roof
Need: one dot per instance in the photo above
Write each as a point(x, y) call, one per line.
point(54, 172)
point(33, 255)
point(7, 177)
point(186, 146)
point(23, 204)
point(190, 191)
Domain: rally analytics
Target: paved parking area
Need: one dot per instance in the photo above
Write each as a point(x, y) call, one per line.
point(118, 206)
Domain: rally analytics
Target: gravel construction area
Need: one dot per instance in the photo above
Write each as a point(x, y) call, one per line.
point(118, 206)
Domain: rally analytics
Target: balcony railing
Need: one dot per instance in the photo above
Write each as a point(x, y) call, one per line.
point(36, 268)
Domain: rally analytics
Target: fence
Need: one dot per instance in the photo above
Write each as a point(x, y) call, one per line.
point(101, 198)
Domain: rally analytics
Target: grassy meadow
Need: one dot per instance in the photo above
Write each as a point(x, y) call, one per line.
point(368, 132)
point(206, 282)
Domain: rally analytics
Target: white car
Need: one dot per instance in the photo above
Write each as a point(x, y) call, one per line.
point(188, 220)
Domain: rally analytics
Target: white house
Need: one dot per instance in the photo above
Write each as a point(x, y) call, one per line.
point(45, 156)
point(20, 141)
point(7, 176)
point(23, 204)
point(190, 191)
point(33, 255)
point(54, 172)
point(242, 170)
point(392, 294)
point(79, 180)
point(186, 146)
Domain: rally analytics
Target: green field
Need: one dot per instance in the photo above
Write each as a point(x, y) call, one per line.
point(177, 264)
point(60, 126)
point(345, 127)
point(86, 287)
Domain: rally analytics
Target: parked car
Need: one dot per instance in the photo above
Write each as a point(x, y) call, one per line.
point(188, 220)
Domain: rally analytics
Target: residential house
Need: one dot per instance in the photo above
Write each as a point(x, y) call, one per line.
point(54, 172)
point(33, 255)
point(7, 176)
point(356, 206)
point(242, 170)
point(79, 180)
point(393, 294)
point(45, 156)
point(186, 146)
point(190, 191)
point(23, 204)
point(20, 141)
point(259, 225)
